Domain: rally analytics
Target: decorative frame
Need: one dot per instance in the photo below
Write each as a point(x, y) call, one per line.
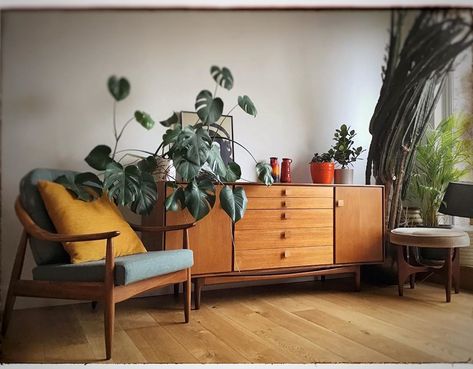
point(223, 128)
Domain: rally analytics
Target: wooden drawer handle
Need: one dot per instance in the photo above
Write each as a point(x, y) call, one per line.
point(285, 192)
point(285, 235)
point(340, 203)
point(284, 216)
point(283, 204)
point(286, 254)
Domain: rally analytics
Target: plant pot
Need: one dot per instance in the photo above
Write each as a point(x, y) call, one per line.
point(344, 176)
point(165, 170)
point(322, 172)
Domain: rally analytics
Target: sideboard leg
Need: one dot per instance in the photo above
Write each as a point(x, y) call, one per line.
point(358, 279)
point(322, 278)
point(197, 292)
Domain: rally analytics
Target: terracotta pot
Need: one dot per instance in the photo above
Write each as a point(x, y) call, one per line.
point(344, 176)
point(322, 172)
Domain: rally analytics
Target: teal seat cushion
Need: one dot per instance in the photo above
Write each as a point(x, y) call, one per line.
point(44, 252)
point(128, 269)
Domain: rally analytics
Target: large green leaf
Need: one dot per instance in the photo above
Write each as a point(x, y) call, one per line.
point(171, 135)
point(185, 168)
point(222, 76)
point(233, 172)
point(121, 183)
point(247, 105)
point(119, 88)
point(99, 157)
point(196, 145)
point(85, 186)
point(148, 164)
point(263, 172)
point(199, 199)
point(173, 119)
point(176, 200)
point(146, 194)
point(215, 160)
point(233, 202)
point(208, 109)
point(144, 119)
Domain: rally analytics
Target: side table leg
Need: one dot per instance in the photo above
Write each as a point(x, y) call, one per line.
point(449, 275)
point(197, 292)
point(401, 269)
point(412, 280)
point(456, 270)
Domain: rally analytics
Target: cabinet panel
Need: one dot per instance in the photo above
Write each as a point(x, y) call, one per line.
point(290, 203)
point(271, 238)
point(358, 224)
point(283, 257)
point(287, 191)
point(210, 239)
point(281, 219)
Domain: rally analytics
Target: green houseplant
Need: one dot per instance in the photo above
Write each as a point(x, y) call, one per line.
point(345, 153)
point(322, 167)
point(437, 162)
point(193, 150)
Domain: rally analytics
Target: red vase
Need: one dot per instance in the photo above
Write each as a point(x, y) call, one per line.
point(322, 172)
point(286, 170)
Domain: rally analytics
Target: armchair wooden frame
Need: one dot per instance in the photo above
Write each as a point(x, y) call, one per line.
point(105, 291)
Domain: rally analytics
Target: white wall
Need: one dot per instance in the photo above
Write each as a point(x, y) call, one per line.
point(307, 73)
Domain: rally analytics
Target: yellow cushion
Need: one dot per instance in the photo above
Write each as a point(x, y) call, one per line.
point(72, 216)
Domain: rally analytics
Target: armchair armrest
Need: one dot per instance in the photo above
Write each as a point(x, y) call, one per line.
point(159, 229)
point(37, 232)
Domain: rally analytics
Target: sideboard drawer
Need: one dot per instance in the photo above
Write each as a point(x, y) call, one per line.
point(282, 257)
point(288, 191)
point(290, 203)
point(281, 219)
point(271, 238)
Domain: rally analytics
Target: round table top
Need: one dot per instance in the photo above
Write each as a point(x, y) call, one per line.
point(429, 237)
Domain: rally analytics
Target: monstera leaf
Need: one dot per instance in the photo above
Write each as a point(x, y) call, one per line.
point(144, 119)
point(176, 200)
point(247, 105)
point(171, 135)
point(173, 119)
point(119, 88)
point(148, 164)
point(233, 172)
point(222, 76)
point(199, 198)
point(121, 183)
point(146, 194)
point(215, 160)
point(99, 157)
point(208, 109)
point(86, 186)
point(263, 172)
point(233, 202)
point(197, 145)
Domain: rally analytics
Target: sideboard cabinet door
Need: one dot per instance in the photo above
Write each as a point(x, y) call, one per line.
point(358, 224)
point(210, 239)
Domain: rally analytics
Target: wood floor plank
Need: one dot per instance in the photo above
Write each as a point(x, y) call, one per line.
point(289, 323)
point(393, 332)
point(297, 348)
point(200, 342)
point(350, 350)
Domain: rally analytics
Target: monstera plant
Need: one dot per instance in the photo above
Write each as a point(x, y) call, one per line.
point(193, 149)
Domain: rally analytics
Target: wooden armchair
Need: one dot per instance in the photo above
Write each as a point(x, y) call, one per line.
point(110, 281)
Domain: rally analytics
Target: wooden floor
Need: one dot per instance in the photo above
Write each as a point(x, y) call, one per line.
point(291, 323)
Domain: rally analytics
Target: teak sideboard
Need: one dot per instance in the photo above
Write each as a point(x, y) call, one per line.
point(288, 230)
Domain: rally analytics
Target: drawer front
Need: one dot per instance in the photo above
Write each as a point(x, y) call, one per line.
point(282, 219)
point(288, 191)
point(290, 203)
point(271, 238)
point(282, 257)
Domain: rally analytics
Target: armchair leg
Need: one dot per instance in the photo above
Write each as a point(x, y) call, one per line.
point(187, 296)
point(109, 311)
point(15, 276)
point(109, 320)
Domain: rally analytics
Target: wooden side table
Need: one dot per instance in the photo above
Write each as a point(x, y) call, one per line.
point(439, 238)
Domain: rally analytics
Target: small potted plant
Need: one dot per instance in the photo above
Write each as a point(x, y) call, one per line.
point(345, 153)
point(322, 167)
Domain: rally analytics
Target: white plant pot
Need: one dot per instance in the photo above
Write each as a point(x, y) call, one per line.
point(343, 176)
point(165, 170)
